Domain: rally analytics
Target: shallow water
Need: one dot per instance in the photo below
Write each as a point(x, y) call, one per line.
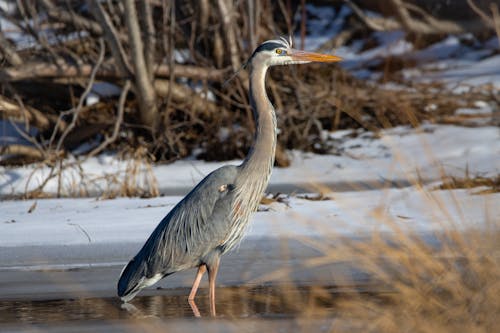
point(231, 303)
point(248, 305)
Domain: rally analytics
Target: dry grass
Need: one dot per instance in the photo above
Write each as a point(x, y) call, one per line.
point(447, 281)
point(448, 289)
point(488, 185)
point(137, 179)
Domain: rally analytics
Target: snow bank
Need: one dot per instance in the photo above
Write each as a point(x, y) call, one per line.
point(400, 154)
point(89, 221)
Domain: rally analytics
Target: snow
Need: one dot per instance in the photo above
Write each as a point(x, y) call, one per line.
point(481, 108)
point(351, 214)
point(323, 23)
point(182, 56)
point(391, 43)
point(399, 154)
point(486, 71)
point(456, 64)
point(459, 61)
point(102, 89)
point(444, 49)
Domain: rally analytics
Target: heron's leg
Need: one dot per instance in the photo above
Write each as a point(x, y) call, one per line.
point(212, 275)
point(201, 270)
point(194, 308)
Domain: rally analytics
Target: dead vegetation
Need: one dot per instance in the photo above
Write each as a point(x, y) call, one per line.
point(165, 65)
point(447, 289)
point(442, 281)
point(486, 184)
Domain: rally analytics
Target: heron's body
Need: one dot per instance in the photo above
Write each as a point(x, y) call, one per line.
point(212, 218)
point(186, 237)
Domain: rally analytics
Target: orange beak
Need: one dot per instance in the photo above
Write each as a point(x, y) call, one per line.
point(312, 56)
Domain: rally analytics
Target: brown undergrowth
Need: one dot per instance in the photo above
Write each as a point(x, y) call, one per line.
point(486, 184)
point(443, 281)
point(446, 289)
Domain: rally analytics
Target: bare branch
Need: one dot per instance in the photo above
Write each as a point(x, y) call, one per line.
point(78, 109)
point(427, 25)
point(144, 87)
point(26, 136)
point(493, 21)
point(191, 72)
point(170, 42)
point(252, 23)
point(226, 12)
point(9, 52)
point(33, 116)
point(118, 122)
point(22, 150)
point(111, 36)
point(42, 70)
point(481, 13)
point(64, 16)
point(496, 19)
point(31, 26)
point(181, 94)
point(149, 39)
point(376, 24)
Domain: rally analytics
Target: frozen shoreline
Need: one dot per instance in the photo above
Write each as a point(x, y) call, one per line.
point(84, 242)
point(401, 156)
point(73, 248)
point(77, 247)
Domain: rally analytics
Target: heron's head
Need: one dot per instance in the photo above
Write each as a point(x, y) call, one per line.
point(280, 52)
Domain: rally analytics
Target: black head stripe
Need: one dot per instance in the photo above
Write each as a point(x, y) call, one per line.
point(269, 46)
point(273, 44)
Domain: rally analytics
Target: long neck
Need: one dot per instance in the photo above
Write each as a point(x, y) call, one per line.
point(255, 170)
point(260, 159)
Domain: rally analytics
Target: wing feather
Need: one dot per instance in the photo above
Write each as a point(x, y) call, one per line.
point(192, 228)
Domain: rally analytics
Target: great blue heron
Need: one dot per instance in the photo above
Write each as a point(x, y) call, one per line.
point(212, 218)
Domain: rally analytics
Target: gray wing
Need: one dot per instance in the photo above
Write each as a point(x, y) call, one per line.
point(194, 227)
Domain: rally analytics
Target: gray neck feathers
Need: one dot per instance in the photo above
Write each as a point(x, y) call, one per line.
point(255, 170)
point(260, 159)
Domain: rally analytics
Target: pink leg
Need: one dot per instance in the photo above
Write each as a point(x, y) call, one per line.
point(201, 270)
point(212, 275)
point(194, 308)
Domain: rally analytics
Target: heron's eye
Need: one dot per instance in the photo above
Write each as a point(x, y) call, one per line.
point(279, 51)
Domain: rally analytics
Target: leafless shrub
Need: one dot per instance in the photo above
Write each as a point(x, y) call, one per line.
point(175, 108)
